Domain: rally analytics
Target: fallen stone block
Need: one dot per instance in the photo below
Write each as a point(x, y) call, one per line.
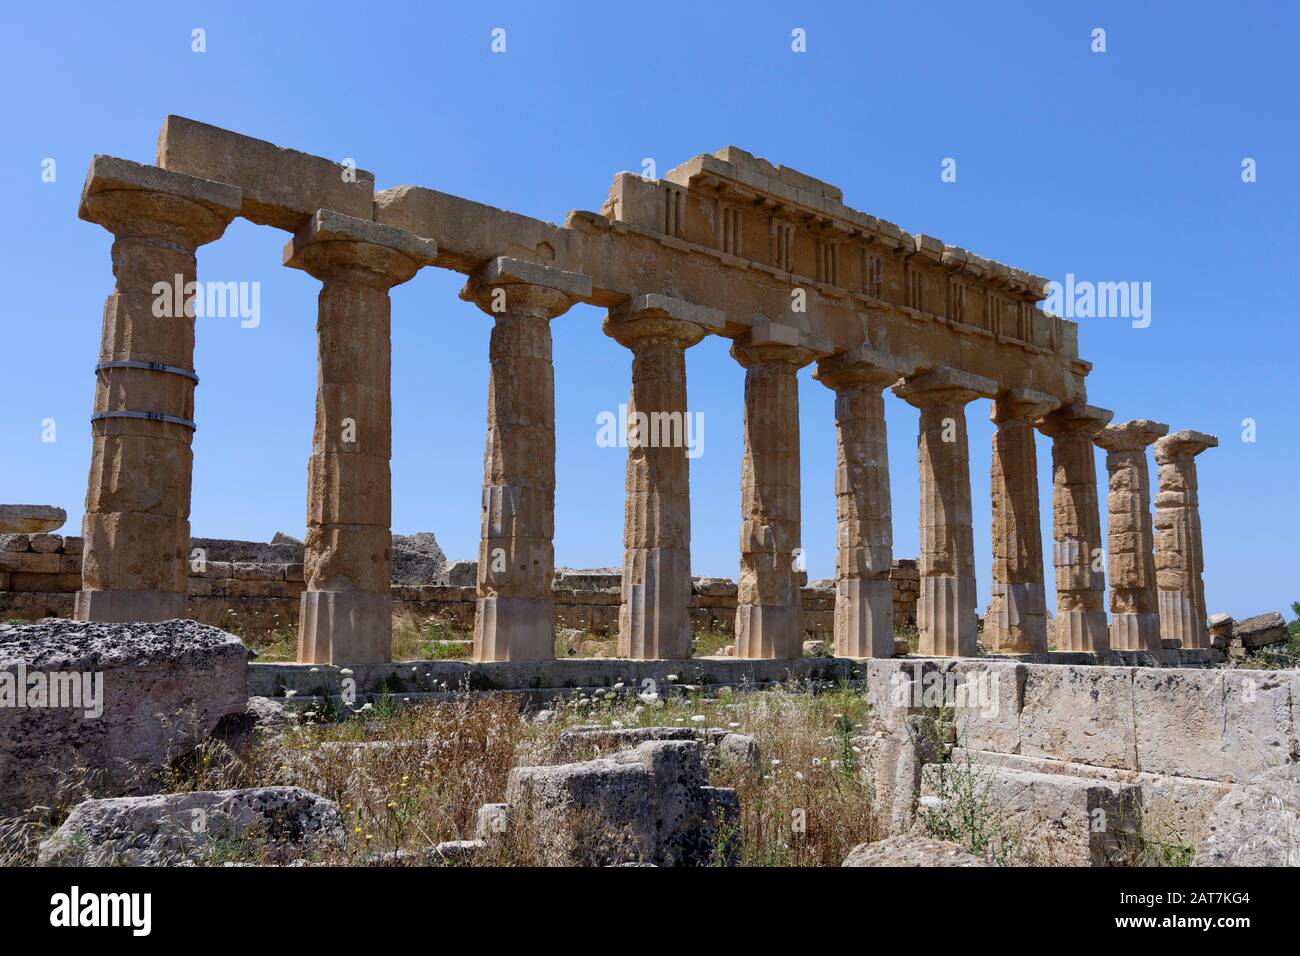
point(720, 745)
point(1257, 823)
point(263, 719)
point(31, 519)
point(97, 708)
point(1044, 819)
point(1260, 630)
point(911, 850)
point(652, 804)
point(269, 824)
point(459, 574)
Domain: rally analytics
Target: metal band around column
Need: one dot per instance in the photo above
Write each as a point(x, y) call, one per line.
point(147, 416)
point(150, 366)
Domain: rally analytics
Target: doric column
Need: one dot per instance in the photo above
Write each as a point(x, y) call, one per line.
point(1017, 617)
point(136, 527)
point(864, 539)
point(346, 614)
point(515, 615)
point(946, 610)
point(769, 612)
point(1076, 528)
point(1135, 618)
point(1180, 559)
point(654, 619)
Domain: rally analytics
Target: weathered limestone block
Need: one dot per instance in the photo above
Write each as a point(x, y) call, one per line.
point(1080, 623)
point(130, 698)
point(269, 824)
point(864, 603)
point(1261, 630)
point(656, 586)
point(136, 526)
point(649, 805)
point(769, 622)
point(720, 745)
point(898, 689)
point(986, 704)
point(1054, 819)
point(31, 519)
point(1017, 617)
point(1179, 554)
point(1174, 809)
point(946, 610)
point(892, 766)
point(1135, 617)
point(280, 187)
point(1212, 724)
point(1079, 712)
point(516, 606)
point(346, 614)
point(1257, 823)
point(910, 850)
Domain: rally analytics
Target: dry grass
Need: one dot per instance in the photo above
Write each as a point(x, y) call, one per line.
point(411, 780)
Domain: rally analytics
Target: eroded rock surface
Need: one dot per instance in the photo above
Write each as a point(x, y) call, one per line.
point(99, 707)
point(271, 824)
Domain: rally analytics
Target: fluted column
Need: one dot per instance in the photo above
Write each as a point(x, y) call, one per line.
point(346, 613)
point(864, 539)
point(1076, 528)
point(1017, 617)
point(1134, 611)
point(136, 526)
point(515, 612)
point(1179, 554)
point(946, 608)
point(769, 612)
point(654, 618)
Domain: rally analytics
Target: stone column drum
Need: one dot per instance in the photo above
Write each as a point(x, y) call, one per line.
point(136, 528)
point(864, 594)
point(1017, 617)
point(515, 612)
point(946, 608)
point(1076, 528)
point(1135, 618)
point(346, 614)
point(1179, 554)
point(654, 618)
point(769, 612)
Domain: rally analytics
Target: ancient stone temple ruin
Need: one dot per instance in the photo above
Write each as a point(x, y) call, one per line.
point(725, 244)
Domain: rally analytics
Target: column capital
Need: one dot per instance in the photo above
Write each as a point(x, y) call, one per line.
point(135, 200)
point(506, 286)
point(1183, 445)
point(657, 317)
point(334, 246)
point(1132, 435)
point(944, 386)
point(861, 366)
point(768, 341)
point(1022, 405)
point(1078, 419)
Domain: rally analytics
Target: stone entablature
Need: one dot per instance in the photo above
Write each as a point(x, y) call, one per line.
point(777, 220)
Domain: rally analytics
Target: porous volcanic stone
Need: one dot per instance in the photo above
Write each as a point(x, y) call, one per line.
point(156, 691)
point(274, 823)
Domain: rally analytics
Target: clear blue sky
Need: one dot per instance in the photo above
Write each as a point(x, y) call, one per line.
point(1117, 166)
